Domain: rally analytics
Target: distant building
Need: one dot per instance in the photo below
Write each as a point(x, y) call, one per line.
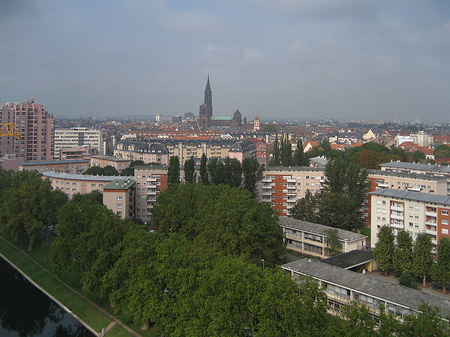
point(256, 124)
point(148, 153)
point(66, 166)
point(36, 127)
point(206, 118)
point(76, 152)
point(102, 161)
point(242, 150)
point(10, 162)
point(69, 138)
point(119, 196)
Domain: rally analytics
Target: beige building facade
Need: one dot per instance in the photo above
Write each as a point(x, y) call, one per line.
point(119, 196)
point(71, 138)
point(66, 166)
point(102, 161)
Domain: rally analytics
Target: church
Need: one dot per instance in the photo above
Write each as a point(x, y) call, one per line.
point(206, 119)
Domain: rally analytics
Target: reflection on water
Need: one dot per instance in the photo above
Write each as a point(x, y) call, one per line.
point(25, 311)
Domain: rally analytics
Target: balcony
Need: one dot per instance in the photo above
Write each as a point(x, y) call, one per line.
point(266, 180)
point(291, 193)
point(429, 213)
point(290, 180)
point(291, 187)
point(383, 185)
point(397, 208)
point(151, 186)
point(431, 232)
point(267, 192)
point(152, 179)
point(398, 226)
point(396, 216)
point(430, 223)
point(151, 192)
point(434, 242)
point(267, 187)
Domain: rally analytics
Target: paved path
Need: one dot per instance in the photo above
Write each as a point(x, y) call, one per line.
point(114, 319)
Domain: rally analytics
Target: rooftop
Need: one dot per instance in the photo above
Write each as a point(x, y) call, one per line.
point(54, 162)
point(415, 196)
point(350, 259)
point(414, 166)
point(122, 184)
point(407, 175)
point(315, 228)
point(111, 158)
point(366, 284)
point(58, 175)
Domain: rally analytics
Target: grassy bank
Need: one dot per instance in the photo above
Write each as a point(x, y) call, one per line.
point(87, 312)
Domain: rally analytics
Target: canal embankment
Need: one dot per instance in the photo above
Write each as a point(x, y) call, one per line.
point(88, 313)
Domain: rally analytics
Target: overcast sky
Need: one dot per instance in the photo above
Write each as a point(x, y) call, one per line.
point(279, 59)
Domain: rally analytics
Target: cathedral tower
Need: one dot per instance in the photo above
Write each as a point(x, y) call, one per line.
point(205, 112)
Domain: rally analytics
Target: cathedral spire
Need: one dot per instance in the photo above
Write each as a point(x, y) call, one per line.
point(208, 93)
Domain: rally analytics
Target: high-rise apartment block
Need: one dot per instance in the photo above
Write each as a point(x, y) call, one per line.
point(36, 127)
point(74, 137)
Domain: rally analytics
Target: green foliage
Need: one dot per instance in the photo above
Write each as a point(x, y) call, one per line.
point(384, 248)
point(189, 170)
point(421, 260)
point(203, 170)
point(286, 151)
point(300, 158)
point(226, 218)
point(129, 171)
point(233, 172)
point(442, 151)
point(108, 170)
point(340, 211)
point(402, 259)
point(253, 172)
point(269, 128)
point(408, 279)
point(173, 171)
point(441, 269)
point(427, 323)
point(307, 208)
point(418, 156)
point(28, 205)
point(216, 171)
point(95, 197)
point(334, 246)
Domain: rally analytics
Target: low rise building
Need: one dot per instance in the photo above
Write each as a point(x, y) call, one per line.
point(343, 287)
point(311, 238)
point(242, 150)
point(66, 166)
point(71, 184)
point(102, 161)
point(119, 196)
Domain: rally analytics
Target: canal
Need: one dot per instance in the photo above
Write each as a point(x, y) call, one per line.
point(27, 312)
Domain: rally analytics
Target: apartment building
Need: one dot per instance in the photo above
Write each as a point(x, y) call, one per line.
point(426, 169)
point(343, 287)
point(77, 183)
point(78, 136)
point(184, 149)
point(119, 196)
point(283, 186)
point(36, 127)
point(310, 238)
point(66, 166)
point(414, 212)
point(150, 182)
point(382, 179)
point(148, 153)
point(102, 161)
point(242, 150)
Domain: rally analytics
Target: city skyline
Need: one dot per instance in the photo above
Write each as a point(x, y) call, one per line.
point(298, 60)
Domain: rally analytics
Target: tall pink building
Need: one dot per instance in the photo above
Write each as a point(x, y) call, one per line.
point(36, 127)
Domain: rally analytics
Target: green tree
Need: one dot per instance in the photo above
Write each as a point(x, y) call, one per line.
point(276, 152)
point(286, 150)
point(418, 156)
point(203, 170)
point(441, 270)
point(228, 219)
point(95, 197)
point(384, 248)
point(216, 171)
point(442, 151)
point(233, 172)
point(402, 258)
point(300, 158)
point(340, 211)
point(427, 323)
point(253, 172)
point(307, 208)
point(108, 170)
point(189, 170)
point(129, 171)
point(421, 259)
point(334, 246)
point(269, 128)
point(173, 171)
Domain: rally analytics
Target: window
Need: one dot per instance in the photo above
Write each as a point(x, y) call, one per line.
point(93, 185)
point(444, 231)
point(444, 212)
point(444, 221)
point(119, 205)
point(384, 202)
point(119, 197)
